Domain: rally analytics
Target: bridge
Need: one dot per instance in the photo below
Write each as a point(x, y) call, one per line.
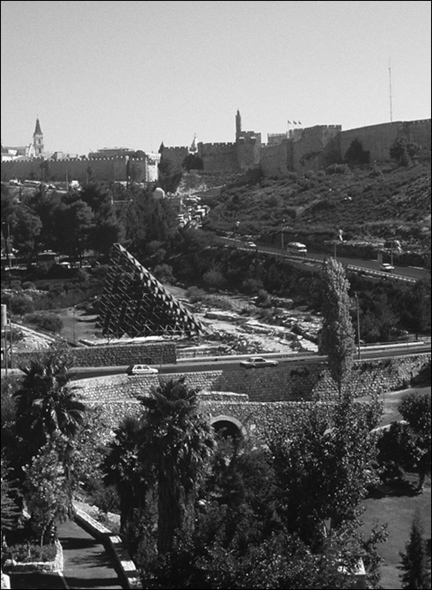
point(245, 399)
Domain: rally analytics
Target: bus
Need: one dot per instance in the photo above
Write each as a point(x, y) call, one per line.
point(296, 248)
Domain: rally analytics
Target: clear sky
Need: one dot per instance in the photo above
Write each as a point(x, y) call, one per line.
point(134, 74)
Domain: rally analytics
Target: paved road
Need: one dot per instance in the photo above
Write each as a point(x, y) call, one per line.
point(86, 565)
point(227, 364)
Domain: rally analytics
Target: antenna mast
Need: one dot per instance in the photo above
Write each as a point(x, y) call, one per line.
point(390, 95)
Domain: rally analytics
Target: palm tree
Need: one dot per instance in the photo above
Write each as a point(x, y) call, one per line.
point(121, 468)
point(46, 405)
point(175, 445)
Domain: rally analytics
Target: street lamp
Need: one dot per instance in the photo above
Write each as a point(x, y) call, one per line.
point(282, 234)
point(358, 325)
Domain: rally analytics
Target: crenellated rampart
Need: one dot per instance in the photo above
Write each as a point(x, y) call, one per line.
point(377, 139)
point(81, 169)
point(274, 159)
point(176, 155)
point(218, 157)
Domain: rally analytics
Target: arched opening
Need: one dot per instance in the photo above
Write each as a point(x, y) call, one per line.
point(227, 426)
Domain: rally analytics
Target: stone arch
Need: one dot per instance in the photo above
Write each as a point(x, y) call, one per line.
point(233, 426)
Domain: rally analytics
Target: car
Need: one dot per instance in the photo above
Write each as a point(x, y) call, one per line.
point(141, 370)
point(255, 362)
point(386, 267)
point(251, 245)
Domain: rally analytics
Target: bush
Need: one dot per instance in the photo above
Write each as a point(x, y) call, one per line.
point(337, 169)
point(21, 305)
point(49, 322)
point(28, 285)
point(29, 552)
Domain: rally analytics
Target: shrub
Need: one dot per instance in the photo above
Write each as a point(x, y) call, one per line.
point(28, 285)
point(252, 286)
point(21, 305)
point(44, 321)
point(214, 279)
point(164, 273)
point(29, 552)
point(337, 169)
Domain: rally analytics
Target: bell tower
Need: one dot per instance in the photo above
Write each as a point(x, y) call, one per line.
point(38, 140)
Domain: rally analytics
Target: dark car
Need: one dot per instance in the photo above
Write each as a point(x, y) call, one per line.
point(255, 362)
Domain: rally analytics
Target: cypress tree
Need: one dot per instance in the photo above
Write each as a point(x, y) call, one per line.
point(414, 563)
point(337, 334)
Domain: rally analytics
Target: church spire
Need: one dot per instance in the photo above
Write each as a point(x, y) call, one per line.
point(38, 140)
point(38, 130)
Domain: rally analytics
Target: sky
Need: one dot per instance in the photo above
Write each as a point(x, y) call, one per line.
point(135, 74)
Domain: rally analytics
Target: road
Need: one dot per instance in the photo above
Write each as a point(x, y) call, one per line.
point(408, 272)
point(231, 364)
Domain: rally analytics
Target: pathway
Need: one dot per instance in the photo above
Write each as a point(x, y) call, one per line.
point(86, 565)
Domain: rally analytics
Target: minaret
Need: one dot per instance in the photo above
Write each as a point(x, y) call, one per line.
point(38, 140)
point(238, 125)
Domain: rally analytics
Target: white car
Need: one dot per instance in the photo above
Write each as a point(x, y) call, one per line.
point(251, 245)
point(141, 370)
point(255, 362)
point(386, 267)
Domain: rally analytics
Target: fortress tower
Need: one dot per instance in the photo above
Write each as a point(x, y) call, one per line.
point(38, 140)
point(238, 125)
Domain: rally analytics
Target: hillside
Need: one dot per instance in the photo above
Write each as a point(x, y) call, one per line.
point(368, 204)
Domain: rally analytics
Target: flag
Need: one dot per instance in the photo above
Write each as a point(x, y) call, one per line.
point(295, 122)
point(299, 123)
point(289, 122)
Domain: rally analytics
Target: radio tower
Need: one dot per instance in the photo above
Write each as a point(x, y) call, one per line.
point(390, 94)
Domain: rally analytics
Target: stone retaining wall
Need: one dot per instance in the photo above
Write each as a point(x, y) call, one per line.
point(287, 382)
point(265, 391)
point(113, 355)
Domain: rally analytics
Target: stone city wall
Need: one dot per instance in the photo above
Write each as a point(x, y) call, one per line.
point(377, 139)
point(316, 148)
point(249, 150)
point(114, 168)
point(176, 155)
point(218, 157)
point(274, 159)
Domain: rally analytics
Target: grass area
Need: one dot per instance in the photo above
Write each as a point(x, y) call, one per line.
point(398, 512)
point(397, 507)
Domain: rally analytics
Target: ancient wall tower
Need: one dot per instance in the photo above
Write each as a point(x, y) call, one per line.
point(38, 140)
point(238, 125)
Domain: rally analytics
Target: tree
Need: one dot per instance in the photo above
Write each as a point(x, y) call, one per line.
point(337, 334)
point(416, 410)
point(45, 402)
point(47, 494)
point(404, 151)
point(355, 154)
point(175, 445)
point(74, 222)
point(414, 559)
point(10, 511)
point(323, 462)
point(26, 230)
point(170, 175)
point(121, 468)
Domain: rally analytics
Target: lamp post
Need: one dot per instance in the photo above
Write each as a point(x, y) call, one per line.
point(282, 234)
point(358, 325)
